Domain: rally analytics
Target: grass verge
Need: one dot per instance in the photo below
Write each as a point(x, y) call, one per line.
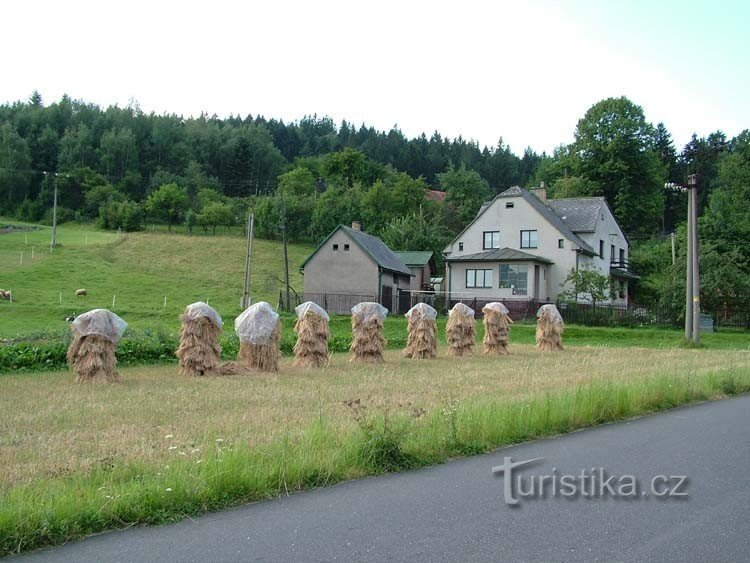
point(52, 511)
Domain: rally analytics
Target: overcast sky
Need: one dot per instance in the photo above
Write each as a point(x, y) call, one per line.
point(523, 71)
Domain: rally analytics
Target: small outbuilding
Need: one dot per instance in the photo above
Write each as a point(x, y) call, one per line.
point(351, 266)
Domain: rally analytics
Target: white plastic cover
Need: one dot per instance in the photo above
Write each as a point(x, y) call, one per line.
point(308, 306)
point(102, 322)
point(422, 311)
point(256, 323)
point(462, 309)
point(201, 309)
point(496, 306)
point(368, 311)
point(552, 313)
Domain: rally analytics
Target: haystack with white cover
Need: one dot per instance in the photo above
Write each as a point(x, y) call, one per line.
point(311, 349)
point(91, 353)
point(422, 340)
point(497, 323)
point(259, 331)
point(199, 351)
point(549, 328)
point(368, 342)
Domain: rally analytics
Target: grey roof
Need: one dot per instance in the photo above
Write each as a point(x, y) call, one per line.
point(580, 213)
point(373, 246)
point(500, 255)
point(414, 257)
point(378, 250)
point(548, 214)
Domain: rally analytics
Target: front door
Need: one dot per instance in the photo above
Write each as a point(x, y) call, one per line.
point(386, 297)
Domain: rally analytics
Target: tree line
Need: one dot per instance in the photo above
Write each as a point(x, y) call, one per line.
point(123, 167)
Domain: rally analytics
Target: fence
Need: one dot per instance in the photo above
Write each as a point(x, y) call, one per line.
point(601, 314)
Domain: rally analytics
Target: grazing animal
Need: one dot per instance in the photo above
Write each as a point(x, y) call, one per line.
point(5, 294)
point(81, 293)
point(71, 318)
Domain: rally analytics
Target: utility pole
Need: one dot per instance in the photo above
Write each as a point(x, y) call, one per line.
point(287, 303)
point(53, 242)
point(689, 276)
point(245, 302)
point(696, 290)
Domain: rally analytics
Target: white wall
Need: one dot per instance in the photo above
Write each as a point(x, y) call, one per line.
point(510, 222)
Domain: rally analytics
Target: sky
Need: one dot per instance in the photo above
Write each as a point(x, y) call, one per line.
point(525, 72)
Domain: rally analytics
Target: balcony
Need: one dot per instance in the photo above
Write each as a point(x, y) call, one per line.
point(622, 269)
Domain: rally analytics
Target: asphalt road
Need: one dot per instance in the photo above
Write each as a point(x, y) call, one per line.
point(457, 512)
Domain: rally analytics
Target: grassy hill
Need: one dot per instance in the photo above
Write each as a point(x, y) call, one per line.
point(138, 269)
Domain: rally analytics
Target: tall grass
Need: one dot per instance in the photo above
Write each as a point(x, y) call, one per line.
point(53, 511)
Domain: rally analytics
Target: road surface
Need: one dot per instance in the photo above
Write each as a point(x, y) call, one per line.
point(457, 511)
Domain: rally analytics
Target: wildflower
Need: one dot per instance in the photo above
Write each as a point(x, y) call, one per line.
point(168, 436)
point(219, 440)
point(168, 489)
point(199, 461)
point(172, 447)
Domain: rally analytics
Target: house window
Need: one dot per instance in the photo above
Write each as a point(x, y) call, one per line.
point(395, 279)
point(491, 240)
point(460, 246)
point(346, 247)
point(516, 277)
point(612, 253)
point(478, 278)
point(601, 249)
point(528, 239)
point(561, 243)
point(622, 256)
point(335, 247)
point(509, 204)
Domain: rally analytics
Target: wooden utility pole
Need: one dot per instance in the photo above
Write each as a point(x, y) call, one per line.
point(53, 242)
point(696, 289)
point(245, 301)
point(287, 299)
point(689, 273)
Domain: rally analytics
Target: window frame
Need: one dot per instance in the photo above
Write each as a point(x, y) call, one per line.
point(346, 248)
point(517, 289)
point(492, 239)
point(335, 247)
point(529, 241)
point(601, 248)
point(510, 204)
point(561, 243)
point(486, 284)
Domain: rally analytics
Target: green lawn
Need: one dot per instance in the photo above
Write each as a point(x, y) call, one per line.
point(137, 270)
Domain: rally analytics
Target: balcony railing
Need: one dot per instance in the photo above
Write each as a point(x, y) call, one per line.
point(622, 266)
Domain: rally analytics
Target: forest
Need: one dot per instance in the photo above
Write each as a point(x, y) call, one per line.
point(126, 169)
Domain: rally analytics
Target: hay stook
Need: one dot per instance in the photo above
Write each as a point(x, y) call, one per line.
point(549, 328)
point(311, 348)
point(422, 339)
point(497, 323)
point(259, 331)
point(199, 351)
point(91, 353)
point(460, 330)
point(368, 342)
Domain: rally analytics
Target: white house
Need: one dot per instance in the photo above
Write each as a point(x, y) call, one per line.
point(522, 246)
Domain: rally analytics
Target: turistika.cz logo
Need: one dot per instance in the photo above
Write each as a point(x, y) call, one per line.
point(594, 483)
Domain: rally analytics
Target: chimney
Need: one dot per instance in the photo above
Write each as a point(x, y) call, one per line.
point(356, 225)
point(540, 192)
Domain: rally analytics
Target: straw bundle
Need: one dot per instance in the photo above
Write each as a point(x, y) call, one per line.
point(367, 332)
point(263, 357)
point(422, 340)
point(549, 328)
point(199, 349)
point(91, 353)
point(496, 329)
point(460, 331)
point(311, 349)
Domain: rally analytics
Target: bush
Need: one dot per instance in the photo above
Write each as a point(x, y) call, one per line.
point(125, 215)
